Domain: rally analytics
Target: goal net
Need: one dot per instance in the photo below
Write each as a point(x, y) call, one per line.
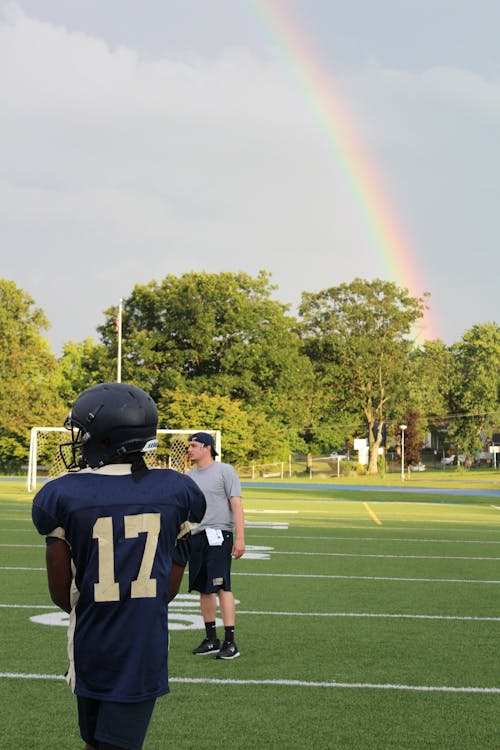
point(45, 460)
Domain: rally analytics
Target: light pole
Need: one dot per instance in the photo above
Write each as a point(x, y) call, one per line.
point(403, 427)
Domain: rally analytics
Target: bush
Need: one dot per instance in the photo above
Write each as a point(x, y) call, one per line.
point(347, 468)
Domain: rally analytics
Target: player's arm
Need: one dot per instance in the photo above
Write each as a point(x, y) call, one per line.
point(180, 559)
point(239, 526)
point(182, 550)
point(175, 580)
point(59, 574)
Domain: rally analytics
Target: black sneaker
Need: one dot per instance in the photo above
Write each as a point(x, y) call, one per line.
point(229, 650)
point(207, 646)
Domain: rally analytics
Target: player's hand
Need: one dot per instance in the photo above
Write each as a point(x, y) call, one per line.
point(238, 549)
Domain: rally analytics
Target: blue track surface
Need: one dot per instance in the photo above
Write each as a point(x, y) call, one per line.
point(417, 490)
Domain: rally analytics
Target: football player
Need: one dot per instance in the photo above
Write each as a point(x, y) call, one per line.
point(111, 526)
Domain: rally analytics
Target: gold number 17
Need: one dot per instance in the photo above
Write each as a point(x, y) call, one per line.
point(107, 589)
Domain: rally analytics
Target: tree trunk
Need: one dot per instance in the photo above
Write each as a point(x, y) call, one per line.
point(374, 445)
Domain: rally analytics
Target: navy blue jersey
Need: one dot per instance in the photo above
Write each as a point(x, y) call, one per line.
point(122, 536)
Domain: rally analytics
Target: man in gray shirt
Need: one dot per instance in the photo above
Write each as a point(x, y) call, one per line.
point(213, 545)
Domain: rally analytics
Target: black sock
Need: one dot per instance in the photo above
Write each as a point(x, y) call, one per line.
point(210, 630)
point(229, 634)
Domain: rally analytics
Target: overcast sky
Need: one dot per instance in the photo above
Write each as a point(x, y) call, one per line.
point(140, 139)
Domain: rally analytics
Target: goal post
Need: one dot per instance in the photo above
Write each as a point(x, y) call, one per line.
point(45, 459)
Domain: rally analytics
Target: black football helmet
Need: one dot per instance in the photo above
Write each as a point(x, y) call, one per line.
point(107, 421)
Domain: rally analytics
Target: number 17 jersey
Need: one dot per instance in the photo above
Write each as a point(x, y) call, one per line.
point(122, 536)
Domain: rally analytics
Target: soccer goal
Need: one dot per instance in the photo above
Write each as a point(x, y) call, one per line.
point(45, 460)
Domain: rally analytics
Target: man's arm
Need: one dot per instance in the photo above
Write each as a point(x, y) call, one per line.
point(59, 574)
point(239, 526)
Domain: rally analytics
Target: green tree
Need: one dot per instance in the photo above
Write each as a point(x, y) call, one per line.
point(474, 398)
point(219, 335)
point(428, 378)
point(358, 337)
point(28, 370)
point(246, 433)
point(81, 365)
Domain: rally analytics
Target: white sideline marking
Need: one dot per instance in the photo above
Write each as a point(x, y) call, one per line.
point(393, 616)
point(340, 525)
point(390, 539)
point(31, 546)
point(274, 525)
point(20, 676)
point(288, 683)
point(270, 613)
point(398, 557)
point(369, 685)
point(28, 606)
point(367, 578)
point(327, 576)
point(278, 512)
point(21, 531)
point(331, 554)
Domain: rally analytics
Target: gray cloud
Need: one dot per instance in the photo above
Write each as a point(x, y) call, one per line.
point(118, 167)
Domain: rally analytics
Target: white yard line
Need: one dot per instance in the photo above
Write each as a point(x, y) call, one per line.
point(379, 539)
point(398, 557)
point(381, 615)
point(368, 578)
point(326, 576)
point(272, 613)
point(289, 683)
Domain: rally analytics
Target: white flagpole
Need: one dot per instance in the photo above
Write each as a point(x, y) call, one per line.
point(119, 332)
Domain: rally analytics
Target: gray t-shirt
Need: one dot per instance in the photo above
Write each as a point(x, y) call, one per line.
point(218, 482)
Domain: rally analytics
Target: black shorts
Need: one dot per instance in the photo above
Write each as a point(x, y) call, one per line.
point(210, 566)
point(121, 724)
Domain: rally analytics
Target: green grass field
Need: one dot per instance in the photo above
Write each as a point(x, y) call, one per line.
point(366, 620)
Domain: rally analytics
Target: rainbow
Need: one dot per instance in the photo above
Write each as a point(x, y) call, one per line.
point(339, 132)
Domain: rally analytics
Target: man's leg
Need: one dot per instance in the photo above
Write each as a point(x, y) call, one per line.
point(210, 644)
point(229, 648)
point(227, 608)
point(208, 606)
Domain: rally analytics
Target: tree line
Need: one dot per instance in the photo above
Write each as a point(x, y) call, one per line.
point(218, 350)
